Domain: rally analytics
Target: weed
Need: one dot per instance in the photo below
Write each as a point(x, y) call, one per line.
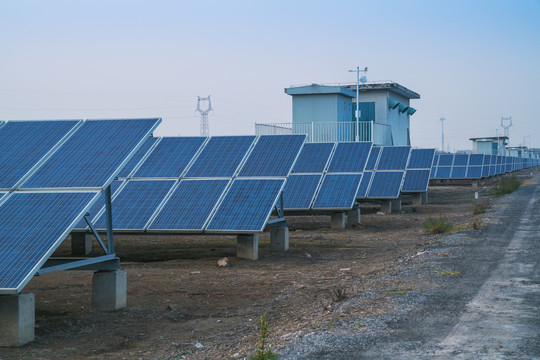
point(397, 292)
point(508, 185)
point(437, 226)
point(340, 295)
point(476, 224)
point(478, 208)
point(262, 352)
point(448, 273)
point(357, 326)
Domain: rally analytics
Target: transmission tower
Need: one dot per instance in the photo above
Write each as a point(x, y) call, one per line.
point(506, 123)
point(205, 131)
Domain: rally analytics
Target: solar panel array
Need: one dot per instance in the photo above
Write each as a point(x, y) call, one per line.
point(326, 176)
point(62, 166)
point(384, 175)
point(223, 184)
point(475, 166)
point(418, 171)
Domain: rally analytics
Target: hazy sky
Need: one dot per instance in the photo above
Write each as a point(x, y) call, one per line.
point(471, 61)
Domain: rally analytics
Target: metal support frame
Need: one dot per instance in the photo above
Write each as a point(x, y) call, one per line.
point(279, 207)
point(108, 213)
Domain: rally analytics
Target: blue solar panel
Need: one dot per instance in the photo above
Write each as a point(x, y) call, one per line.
point(273, 155)
point(421, 159)
point(299, 191)
point(446, 160)
point(143, 150)
point(32, 225)
point(373, 157)
point(485, 171)
point(493, 159)
point(350, 157)
point(461, 159)
point(338, 191)
point(433, 172)
point(364, 184)
point(221, 156)
point(394, 158)
point(458, 172)
point(443, 172)
point(492, 170)
point(24, 143)
point(136, 203)
point(190, 205)
point(476, 159)
point(416, 180)
point(436, 160)
point(247, 205)
point(93, 155)
point(474, 172)
point(313, 158)
point(386, 184)
point(98, 205)
point(170, 157)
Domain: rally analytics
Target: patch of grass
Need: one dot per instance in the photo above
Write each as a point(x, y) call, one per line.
point(357, 326)
point(508, 185)
point(263, 353)
point(397, 292)
point(437, 226)
point(476, 224)
point(448, 273)
point(478, 208)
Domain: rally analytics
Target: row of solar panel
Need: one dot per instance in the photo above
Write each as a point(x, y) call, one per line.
point(474, 166)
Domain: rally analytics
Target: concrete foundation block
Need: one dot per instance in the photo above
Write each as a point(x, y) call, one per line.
point(81, 244)
point(109, 290)
point(417, 199)
point(279, 238)
point(247, 247)
point(17, 319)
point(396, 205)
point(353, 217)
point(337, 221)
point(386, 206)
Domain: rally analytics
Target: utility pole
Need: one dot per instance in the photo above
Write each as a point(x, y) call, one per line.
point(506, 123)
point(442, 134)
point(363, 80)
point(205, 131)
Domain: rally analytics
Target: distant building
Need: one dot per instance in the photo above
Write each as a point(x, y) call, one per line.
point(490, 145)
point(327, 113)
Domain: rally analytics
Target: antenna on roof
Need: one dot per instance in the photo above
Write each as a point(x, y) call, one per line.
point(205, 131)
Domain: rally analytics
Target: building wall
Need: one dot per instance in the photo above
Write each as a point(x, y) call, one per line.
point(321, 108)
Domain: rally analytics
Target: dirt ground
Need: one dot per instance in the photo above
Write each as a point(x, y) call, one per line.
point(181, 305)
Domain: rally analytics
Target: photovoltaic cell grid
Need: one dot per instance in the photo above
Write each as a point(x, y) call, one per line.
point(93, 155)
point(98, 205)
point(300, 191)
point(33, 224)
point(393, 158)
point(313, 158)
point(338, 191)
point(418, 170)
point(136, 159)
point(273, 156)
point(385, 184)
point(373, 157)
point(350, 157)
point(24, 143)
point(421, 159)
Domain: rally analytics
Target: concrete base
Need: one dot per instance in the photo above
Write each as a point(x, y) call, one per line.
point(247, 247)
point(425, 199)
point(279, 237)
point(337, 220)
point(391, 206)
point(417, 199)
point(353, 217)
point(17, 319)
point(81, 244)
point(109, 290)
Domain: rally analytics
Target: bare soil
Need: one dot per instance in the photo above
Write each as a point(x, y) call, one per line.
point(182, 305)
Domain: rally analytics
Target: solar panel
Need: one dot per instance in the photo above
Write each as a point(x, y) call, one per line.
point(93, 155)
point(338, 191)
point(476, 159)
point(393, 158)
point(170, 157)
point(99, 205)
point(385, 184)
point(373, 157)
point(313, 158)
point(143, 150)
point(300, 190)
point(461, 159)
point(458, 172)
point(135, 204)
point(443, 172)
point(446, 160)
point(190, 205)
point(350, 157)
point(474, 172)
point(247, 205)
point(32, 225)
point(24, 143)
point(273, 155)
point(364, 184)
point(421, 159)
point(416, 180)
point(221, 156)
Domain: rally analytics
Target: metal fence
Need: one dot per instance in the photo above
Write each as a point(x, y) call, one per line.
point(330, 131)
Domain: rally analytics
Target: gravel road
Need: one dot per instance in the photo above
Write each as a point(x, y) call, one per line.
point(483, 301)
